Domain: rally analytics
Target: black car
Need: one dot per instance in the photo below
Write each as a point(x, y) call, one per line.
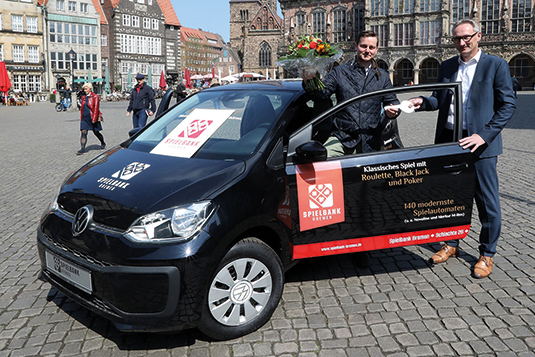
point(193, 221)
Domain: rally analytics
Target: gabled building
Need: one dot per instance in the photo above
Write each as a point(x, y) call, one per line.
point(72, 42)
point(201, 50)
point(256, 34)
point(143, 35)
point(21, 45)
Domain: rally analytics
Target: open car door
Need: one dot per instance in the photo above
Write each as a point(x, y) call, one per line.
point(420, 193)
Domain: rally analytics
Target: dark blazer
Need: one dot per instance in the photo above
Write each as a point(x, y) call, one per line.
point(491, 102)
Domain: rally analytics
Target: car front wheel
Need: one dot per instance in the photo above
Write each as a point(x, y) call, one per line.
point(244, 291)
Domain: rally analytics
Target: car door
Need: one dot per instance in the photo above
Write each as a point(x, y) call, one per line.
point(417, 194)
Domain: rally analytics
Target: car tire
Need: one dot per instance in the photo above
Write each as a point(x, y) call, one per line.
point(244, 291)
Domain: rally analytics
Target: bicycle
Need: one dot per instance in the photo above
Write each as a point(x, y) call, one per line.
point(62, 106)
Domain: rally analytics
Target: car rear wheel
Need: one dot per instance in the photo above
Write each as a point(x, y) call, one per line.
point(244, 292)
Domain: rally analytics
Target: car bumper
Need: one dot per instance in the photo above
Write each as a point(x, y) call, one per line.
point(134, 298)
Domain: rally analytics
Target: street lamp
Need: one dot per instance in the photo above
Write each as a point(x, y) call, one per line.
point(72, 57)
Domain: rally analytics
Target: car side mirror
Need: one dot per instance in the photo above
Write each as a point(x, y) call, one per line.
point(309, 152)
point(133, 132)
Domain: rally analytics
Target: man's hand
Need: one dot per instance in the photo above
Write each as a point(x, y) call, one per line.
point(416, 102)
point(474, 141)
point(127, 114)
point(150, 113)
point(391, 112)
point(308, 73)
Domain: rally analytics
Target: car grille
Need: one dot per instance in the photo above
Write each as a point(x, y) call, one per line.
point(85, 257)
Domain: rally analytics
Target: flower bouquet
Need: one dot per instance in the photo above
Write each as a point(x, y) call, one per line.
point(309, 55)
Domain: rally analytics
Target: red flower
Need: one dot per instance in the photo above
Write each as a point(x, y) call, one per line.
point(300, 45)
point(313, 44)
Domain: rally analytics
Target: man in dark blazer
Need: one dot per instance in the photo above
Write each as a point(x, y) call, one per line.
point(488, 104)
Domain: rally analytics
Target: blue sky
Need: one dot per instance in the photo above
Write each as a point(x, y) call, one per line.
point(208, 15)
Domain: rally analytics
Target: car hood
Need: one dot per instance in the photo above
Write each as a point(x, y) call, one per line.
point(124, 184)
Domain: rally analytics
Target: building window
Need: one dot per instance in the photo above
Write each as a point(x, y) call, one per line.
point(135, 21)
point(155, 24)
point(18, 53)
point(403, 7)
point(429, 32)
point(339, 25)
point(379, 7)
point(460, 9)
point(403, 34)
point(19, 82)
point(31, 24)
point(33, 54)
point(300, 24)
point(264, 55)
point(429, 5)
point(16, 21)
point(382, 34)
point(1, 52)
point(149, 2)
point(60, 5)
point(34, 83)
point(318, 24)
point(146, 23)
point(521, 16)
point(103, 40)
point(72, 6)
point(84, 8)
point(126, 20)
point(358, 21)
point(490, 16)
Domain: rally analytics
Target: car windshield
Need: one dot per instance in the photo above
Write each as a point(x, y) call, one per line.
point(218, 125)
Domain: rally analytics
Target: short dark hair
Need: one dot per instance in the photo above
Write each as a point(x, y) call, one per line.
point(366, 33)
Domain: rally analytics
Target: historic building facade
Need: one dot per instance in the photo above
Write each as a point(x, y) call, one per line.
point(21, 45)
point(72, 42)
point(415, 35)
point(255, 34)
point(142, 38)
point(206, 53)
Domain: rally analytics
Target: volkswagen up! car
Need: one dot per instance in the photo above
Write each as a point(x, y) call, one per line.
point(193, 221)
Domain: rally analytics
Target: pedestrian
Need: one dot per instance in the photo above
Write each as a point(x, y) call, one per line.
point(180, 92)
point(67, 94)
point(357, 128)
point(142, 102)
point(488, 104)
point(516, 84)
point(214, 83)
point(90, 117)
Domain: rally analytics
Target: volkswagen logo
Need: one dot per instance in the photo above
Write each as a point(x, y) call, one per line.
point(82, 219)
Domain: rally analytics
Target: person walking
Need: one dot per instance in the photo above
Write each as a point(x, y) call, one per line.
point(516, 85)
point(488, 104)
point(142, 102)
point(67, 94)
point(357, 128)
point(90, 117)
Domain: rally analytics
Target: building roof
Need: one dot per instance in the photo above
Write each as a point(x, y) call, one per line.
point(187, 34)
point(96, 4)
point(167, 10)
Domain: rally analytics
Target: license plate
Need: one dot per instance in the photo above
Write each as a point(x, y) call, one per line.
point(68, 271)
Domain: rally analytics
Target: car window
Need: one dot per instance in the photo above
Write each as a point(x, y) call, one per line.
point(408, 130)
point(244, 119)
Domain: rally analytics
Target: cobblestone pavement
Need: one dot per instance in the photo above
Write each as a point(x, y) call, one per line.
point(399, 306)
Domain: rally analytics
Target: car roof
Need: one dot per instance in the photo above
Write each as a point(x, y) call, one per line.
point(270, 84)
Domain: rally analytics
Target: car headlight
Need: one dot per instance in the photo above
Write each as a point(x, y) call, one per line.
point(177, 223)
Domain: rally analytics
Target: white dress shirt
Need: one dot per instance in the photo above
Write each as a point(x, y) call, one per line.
point(465, 75)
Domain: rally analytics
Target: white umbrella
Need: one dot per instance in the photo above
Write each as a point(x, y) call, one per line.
point(229, 79)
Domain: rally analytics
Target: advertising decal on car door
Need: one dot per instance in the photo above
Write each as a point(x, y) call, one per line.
point(387, 203)
point(320, 194)
point(190, 135)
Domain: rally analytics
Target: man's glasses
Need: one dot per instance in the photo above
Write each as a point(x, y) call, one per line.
point(466, 38)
